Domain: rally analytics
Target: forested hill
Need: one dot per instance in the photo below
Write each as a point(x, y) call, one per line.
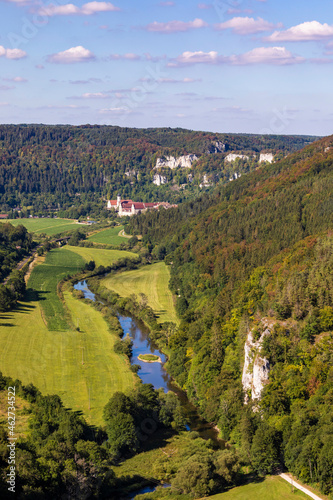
point(55, 166)
point(253, 264)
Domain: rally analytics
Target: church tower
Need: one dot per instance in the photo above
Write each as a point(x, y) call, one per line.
point(118, 200)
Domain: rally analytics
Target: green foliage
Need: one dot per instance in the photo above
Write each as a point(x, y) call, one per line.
point(15, 245)
point(124, 346)
point(71, 169)
point(260, 247)
point(131, 418)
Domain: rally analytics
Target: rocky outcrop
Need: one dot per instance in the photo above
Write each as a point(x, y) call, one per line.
point(235, 176)
point(256, 368)
point(216, 147)
point(269, 157)
point(159, 179)
point(172, 162)
point(234, 156)
point(205, 181)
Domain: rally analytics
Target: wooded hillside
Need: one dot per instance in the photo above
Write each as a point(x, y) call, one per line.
point(54, 167)
point(258, 253)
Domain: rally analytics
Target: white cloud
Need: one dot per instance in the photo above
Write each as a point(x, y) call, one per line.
point(170, 80)
point(7, 87)
point(16, 79)
point(198, 57)
point(266, 55)
point(246, 25)
point(260, 55)
point(72, 55)
point(69, 9)
point(12, 53)
point(128, 57)
point(95, 95)
point(117, 110)
point(175, 26)
point(205, 6)
point(311, 30)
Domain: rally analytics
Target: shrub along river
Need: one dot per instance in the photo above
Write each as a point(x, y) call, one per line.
point(155, 373)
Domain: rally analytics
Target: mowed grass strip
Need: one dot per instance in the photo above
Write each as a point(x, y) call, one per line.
point(46, 225)
point(272, 488)
point(151, 280)
point(81, 366)
point(108, 236)
point(44, 279)
point(101, 257)
point(52, 361)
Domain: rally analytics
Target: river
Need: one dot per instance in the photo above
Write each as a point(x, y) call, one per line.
point(155, 373)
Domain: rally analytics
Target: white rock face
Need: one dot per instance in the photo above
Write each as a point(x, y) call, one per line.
point(233, 157)
point(172, 162)
point(327, 149)
point(130, 173)
point(269, 157)
point(216, 147)
point(159, 179)
point(256, 368)
point(205, 182)
point(235, 176)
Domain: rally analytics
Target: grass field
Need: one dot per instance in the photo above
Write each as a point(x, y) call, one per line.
point(45, 277)
point(100, 256)
point(52, 360)
point(21, 414)
point(108, 236)
point(151, 280)
point(45, 225)
point(272, 488)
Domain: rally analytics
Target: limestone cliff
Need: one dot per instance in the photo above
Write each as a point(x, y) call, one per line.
point(159, 179)
point(269, 157)
point(256, 368)
point(234, 156)
point(172, 162)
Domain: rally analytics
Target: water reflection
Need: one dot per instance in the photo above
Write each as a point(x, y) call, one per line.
point(150, 373)
point(155, 373)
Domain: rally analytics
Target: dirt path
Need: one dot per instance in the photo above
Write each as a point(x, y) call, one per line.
point(37, 259)
point(290, 480)
point(123, 234)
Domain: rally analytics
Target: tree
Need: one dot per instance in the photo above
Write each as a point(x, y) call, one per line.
point(265, 450)
point(195, 476)
point(121, 433)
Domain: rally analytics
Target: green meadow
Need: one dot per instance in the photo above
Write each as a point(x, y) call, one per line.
point(102, 257)
point(152, 280)
point(109, 236)
point(44, 280)
point(46, 225)
point(78, 364)
point(271, 488)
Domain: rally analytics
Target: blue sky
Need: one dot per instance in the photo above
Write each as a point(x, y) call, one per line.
point(258, 66)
